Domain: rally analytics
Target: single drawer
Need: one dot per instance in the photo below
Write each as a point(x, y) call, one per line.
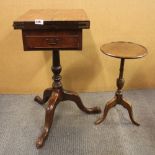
point(46, 39)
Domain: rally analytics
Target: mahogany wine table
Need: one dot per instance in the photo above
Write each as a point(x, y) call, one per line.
point(122, 50)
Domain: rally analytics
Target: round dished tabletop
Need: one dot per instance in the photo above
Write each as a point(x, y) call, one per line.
point(126, 50)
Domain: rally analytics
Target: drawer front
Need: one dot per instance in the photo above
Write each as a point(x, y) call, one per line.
point(44, 40)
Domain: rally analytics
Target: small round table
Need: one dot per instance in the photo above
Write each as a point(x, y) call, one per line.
point(121, 50)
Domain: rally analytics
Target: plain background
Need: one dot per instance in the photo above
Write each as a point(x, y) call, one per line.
point(87, 70)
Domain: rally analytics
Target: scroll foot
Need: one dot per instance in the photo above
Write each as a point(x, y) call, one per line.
point(46, 95)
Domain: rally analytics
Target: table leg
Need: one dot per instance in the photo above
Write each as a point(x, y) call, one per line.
point(52, 103)
point(127, 106)
point(108, 106)
point(72, 96)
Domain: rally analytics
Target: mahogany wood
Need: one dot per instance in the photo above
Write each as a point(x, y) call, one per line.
point(118, 99)
point(53, 19)
point(61, 30)
point(55, 95)
point(126, 50)
point(56, 39)
point(123, 50)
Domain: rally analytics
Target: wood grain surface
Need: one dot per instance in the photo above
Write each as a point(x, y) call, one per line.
point(54, 15)
point(127, 50)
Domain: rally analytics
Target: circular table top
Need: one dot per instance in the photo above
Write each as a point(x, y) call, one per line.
point(126, 50)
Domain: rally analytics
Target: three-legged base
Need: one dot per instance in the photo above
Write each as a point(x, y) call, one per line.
point(118, 99)
point(54, 96)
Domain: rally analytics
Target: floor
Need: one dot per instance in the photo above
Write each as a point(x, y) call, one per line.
point(74, 132)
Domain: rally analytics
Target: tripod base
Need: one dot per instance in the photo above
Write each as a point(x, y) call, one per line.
point(55, 96)
point(117, 100)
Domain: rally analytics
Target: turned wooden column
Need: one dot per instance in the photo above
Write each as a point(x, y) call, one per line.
point(56, 69)
point(120, 80)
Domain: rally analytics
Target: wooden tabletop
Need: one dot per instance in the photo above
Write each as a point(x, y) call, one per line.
point(59, 18)
point(54, 15)
point(126, 50)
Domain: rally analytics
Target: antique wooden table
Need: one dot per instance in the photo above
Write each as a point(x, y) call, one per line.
point(122, 50)
point(54, 30)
